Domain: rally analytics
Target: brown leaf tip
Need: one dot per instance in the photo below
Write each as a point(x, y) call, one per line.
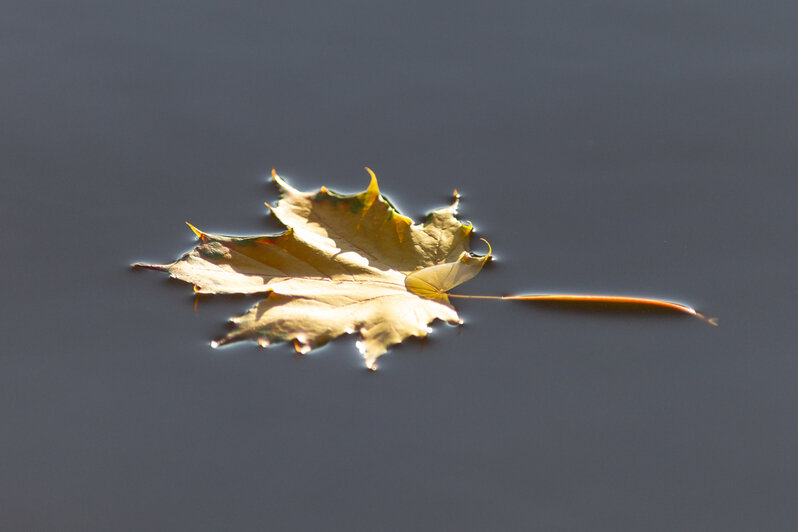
point(202, 236)
point(300, 347)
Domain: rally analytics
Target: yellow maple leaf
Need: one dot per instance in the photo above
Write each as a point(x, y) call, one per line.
point(346, 264)
point(353, 265)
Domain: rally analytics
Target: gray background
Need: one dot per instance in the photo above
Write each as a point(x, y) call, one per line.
point(643, 148)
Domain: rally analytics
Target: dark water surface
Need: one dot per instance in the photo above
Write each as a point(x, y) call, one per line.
point(642, 148)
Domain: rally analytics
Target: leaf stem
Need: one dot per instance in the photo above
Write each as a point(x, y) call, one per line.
point(600, 299)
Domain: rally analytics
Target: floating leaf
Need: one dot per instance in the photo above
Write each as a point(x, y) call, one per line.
point(350, 264)
point(344, 265)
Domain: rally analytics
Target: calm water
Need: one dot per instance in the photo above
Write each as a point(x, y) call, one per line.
point(646, 148)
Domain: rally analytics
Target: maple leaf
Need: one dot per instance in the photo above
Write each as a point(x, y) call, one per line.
point(346, 264)
point(352, 265)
